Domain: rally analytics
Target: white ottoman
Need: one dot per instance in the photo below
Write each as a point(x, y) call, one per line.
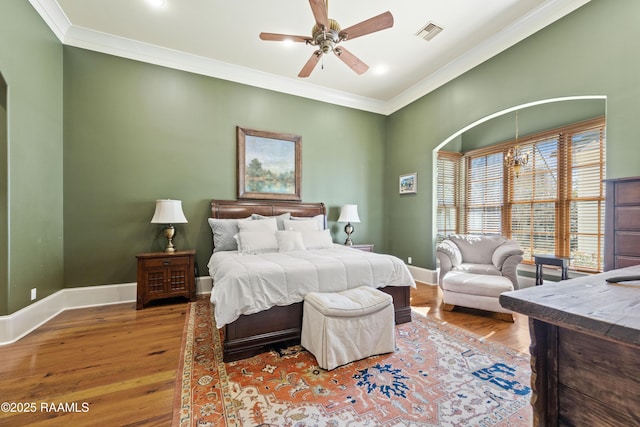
point(481, 291)
point(338, 328)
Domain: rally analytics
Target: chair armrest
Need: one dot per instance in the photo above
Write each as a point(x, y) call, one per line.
point(510, 269)
point(504, 251)
point(449, 256)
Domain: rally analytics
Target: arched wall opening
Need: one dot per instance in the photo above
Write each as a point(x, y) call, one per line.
point(561, 110)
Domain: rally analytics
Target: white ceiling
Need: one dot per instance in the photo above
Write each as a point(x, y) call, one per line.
point(219, 38)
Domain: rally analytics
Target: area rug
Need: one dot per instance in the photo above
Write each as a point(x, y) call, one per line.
point(439, 375)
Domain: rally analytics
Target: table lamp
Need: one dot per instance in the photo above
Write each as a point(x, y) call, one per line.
point(169, 212)
point(349, 214)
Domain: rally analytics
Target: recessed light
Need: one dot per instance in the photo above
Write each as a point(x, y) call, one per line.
point(380, 69)
point(158, 4)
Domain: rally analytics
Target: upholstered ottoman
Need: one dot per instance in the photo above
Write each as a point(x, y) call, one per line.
point(479, 291)
point(338, 328)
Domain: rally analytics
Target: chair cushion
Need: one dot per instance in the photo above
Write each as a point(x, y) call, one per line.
point(478, 269)
point(476, 284)
point(477, 249)
point(349, 303)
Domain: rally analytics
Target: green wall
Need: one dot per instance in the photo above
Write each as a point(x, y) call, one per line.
point(589, 52)
point(31, 230)
point(136, 132)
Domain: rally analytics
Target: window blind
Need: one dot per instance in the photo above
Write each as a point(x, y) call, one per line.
point(484, 194)
point(448, 179)
point(556, 205)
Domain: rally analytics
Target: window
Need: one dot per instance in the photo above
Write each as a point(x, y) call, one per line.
point(447, 194)
point(555, 206)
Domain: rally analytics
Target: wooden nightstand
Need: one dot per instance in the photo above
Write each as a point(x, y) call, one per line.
point(364, 247)
point(166, 275)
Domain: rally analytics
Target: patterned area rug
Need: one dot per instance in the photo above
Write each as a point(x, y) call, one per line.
point(439, 375)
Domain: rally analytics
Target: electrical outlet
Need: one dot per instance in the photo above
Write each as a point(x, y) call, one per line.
point(409, 260)
point(33, 294)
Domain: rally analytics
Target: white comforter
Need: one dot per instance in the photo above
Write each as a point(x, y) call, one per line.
point(247, 284)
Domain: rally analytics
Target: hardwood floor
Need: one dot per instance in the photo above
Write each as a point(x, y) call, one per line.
point(427, 299)
point(118, 365)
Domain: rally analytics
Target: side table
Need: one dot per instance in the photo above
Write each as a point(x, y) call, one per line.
point(364, 247)
point(165, 275)
point(541, 260)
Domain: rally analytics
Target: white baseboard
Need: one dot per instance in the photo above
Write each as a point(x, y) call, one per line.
point(423, 275)
point(16, 325)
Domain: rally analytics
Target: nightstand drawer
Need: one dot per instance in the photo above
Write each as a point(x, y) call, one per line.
point(166, 262)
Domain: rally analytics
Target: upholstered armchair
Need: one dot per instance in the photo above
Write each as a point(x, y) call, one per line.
point(475, 270)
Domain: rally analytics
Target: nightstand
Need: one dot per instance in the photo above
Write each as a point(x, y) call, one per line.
point(364, 247)
point(166, 275)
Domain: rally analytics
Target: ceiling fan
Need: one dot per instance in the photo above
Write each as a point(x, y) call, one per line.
point(326, 35)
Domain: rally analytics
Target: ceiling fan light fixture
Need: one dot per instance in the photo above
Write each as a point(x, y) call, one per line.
point(326, 34)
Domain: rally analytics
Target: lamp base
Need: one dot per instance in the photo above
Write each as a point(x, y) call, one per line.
point(169, 232)
point(349, 230)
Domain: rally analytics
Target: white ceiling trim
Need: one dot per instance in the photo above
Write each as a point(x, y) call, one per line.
point(68, 34)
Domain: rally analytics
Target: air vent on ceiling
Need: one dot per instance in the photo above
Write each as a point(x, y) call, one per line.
point(429, 31)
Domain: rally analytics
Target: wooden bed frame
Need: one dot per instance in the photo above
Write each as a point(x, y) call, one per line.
point(250, 334)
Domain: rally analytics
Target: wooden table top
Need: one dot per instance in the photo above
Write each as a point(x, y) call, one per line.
point(587, 304)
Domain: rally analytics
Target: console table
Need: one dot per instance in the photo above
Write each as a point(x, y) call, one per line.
point(585, 341)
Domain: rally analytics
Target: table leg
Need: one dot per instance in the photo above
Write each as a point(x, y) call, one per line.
point(539, 280)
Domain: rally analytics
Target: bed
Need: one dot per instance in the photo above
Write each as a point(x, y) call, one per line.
point(265, 315)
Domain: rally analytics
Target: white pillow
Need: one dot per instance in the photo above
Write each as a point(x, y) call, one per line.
point(224, 231)
point(289, 241)
point(268, 224)
point(319, 218)
point(257, 242)
point(317, 239)
point(301, 225)
point(279, 218)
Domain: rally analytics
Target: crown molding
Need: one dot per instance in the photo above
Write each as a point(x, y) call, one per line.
point(68, 34)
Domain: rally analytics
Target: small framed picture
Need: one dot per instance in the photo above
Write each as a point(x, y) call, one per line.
point(409, 183)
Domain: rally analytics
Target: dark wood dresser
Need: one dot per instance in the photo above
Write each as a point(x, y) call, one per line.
point(622, 223)
point(585, 341)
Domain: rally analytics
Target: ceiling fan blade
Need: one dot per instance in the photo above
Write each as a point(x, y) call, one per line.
point(319, 9)
point(371, 25)
point(351, 60)
point(283, 37)
point(311, 64)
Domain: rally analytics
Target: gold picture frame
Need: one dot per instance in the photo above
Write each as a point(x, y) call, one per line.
point(269, 165)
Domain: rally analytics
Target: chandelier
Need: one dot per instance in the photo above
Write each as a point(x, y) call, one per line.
point(514, 157)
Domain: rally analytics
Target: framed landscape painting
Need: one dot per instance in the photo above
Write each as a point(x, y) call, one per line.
point(409, 183)
point(269, 165)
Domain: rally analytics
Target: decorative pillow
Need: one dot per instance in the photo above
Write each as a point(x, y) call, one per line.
point(269, 224)
point(279, 218)
point(320, 218)
point(223, 231)
point(257, 242)
point(317, 239)
point(301, 225)
point(290, 241)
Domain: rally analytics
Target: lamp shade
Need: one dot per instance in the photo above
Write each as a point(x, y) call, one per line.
point(349, 213)
point(168, 212)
